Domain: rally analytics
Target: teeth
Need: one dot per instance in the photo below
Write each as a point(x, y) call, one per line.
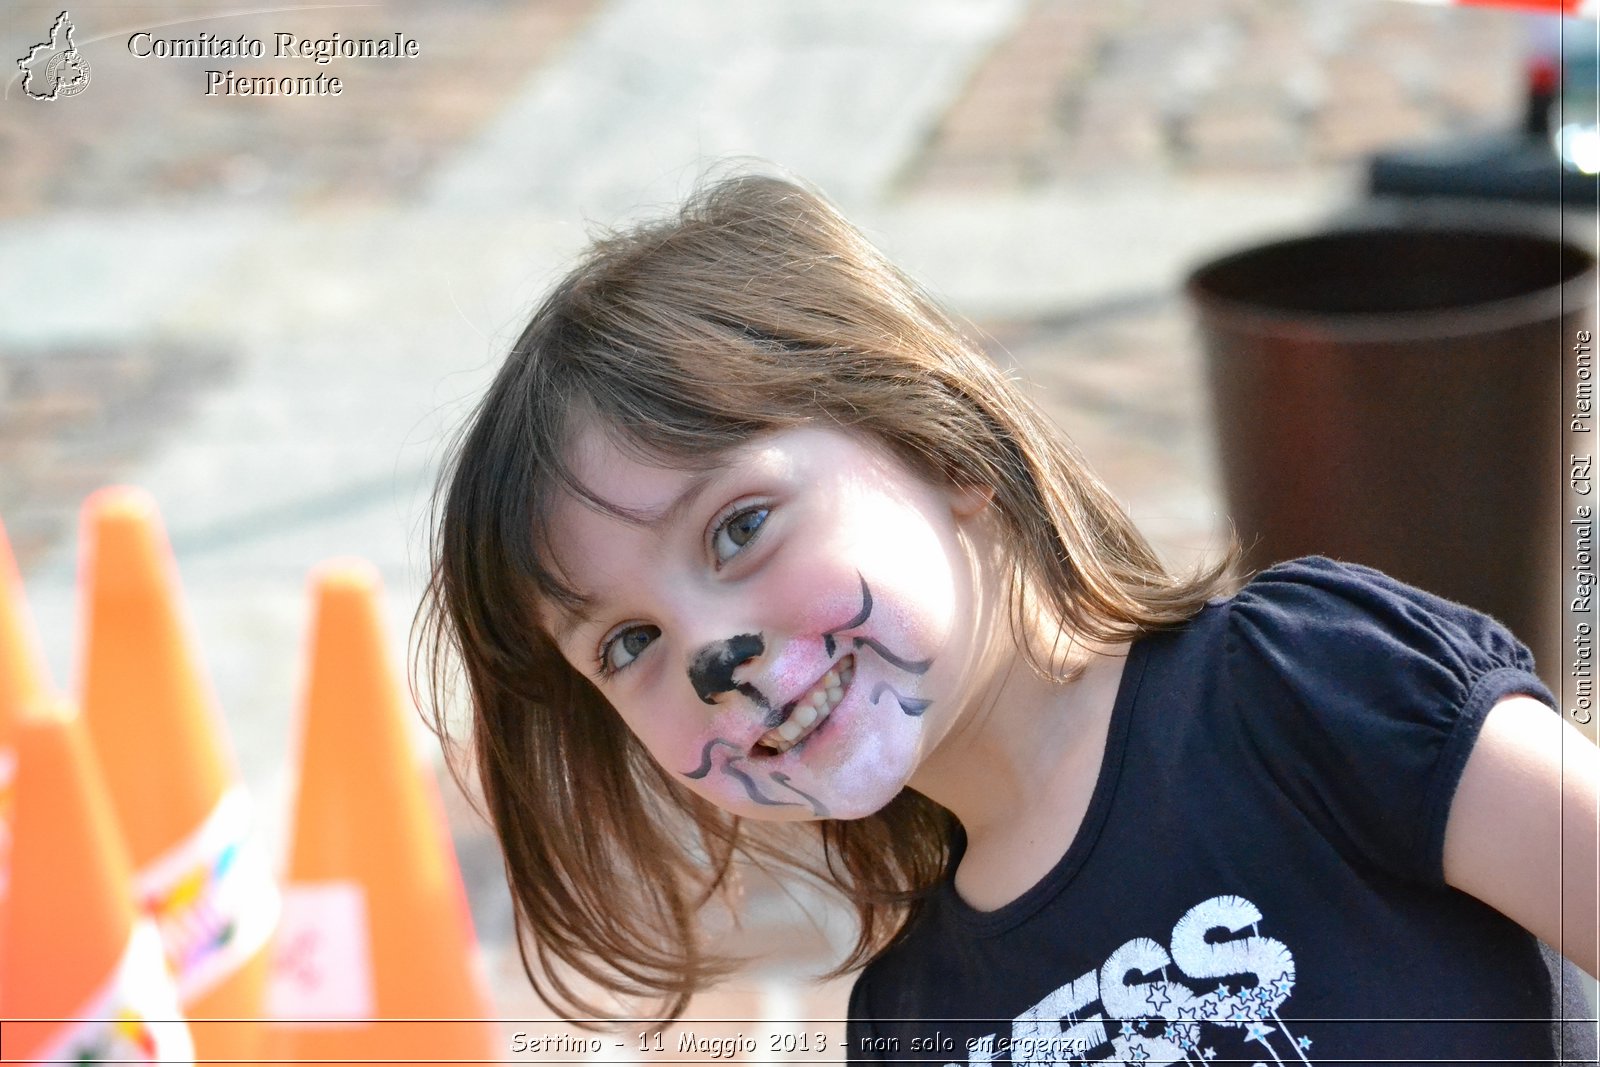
point(810, 710)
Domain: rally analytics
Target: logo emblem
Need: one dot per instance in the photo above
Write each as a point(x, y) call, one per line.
point(55, 68)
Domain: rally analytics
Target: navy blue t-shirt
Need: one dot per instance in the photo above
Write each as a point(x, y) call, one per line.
point(1259, 876)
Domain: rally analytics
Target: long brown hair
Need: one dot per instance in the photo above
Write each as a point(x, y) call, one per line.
point(756, 308)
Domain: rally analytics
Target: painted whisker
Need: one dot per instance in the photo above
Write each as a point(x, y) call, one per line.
point(705, 757)
point(860, 616)
point(910, 705)
point(752, 792)
point(818, 809)
point(910, 666)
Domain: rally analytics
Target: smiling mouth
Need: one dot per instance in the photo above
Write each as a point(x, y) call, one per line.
point(810, 711)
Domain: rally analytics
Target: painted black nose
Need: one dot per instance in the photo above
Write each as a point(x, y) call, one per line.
point(711, 673)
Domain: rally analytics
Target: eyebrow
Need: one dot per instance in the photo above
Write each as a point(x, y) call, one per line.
point(591, 605)
point(685, 499)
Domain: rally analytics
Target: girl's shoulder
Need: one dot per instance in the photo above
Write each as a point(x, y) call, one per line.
point(1360, 697)
point(1316, 620)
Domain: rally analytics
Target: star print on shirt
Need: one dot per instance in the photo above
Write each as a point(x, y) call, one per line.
point(1157, 998)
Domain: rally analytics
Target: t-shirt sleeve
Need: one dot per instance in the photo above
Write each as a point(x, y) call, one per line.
point(1362, 698)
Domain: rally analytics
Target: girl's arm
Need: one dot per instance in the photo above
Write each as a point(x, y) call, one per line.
point(1521, 831)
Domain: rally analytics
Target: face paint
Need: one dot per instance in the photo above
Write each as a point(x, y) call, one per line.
point(841, 604)
point(859, 618)
point(909, 705)
point(817, 807)
point(735, 765)
point(712, 672)
point(910, 666)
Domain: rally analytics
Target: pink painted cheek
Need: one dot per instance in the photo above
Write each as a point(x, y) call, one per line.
point(918, 632)
point(798, 666)
point(913, 620)
point(727, 735)
point(734, 721)
point(871, 762)
point(676, 739)
point(821, 605)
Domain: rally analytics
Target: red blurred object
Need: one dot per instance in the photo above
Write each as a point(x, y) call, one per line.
point(1552, 7)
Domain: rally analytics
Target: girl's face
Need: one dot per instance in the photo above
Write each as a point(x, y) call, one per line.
point(789, 632)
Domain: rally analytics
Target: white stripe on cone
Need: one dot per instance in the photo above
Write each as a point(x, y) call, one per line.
point(133, 1018)
point(212, 896)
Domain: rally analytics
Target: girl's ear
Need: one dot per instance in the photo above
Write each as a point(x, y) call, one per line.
point(969, 501)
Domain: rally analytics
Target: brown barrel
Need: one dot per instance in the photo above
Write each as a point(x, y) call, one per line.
point(1394, 397)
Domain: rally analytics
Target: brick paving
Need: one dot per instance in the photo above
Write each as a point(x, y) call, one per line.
point(77, 417)
point(393, 123)
point(1219, 88)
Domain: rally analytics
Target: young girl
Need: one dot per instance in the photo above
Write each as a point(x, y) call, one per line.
point(748, 553)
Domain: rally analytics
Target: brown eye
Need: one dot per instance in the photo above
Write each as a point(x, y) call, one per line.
point(737, 531)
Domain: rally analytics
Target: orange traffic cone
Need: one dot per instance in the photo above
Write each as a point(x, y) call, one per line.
point(23, 684)
point(186, 818)
point(375, 924)
point(75, 955)
point(22, 672)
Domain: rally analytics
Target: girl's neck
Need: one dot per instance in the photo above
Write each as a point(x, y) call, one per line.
point(1021, 775)
point(992, 764)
